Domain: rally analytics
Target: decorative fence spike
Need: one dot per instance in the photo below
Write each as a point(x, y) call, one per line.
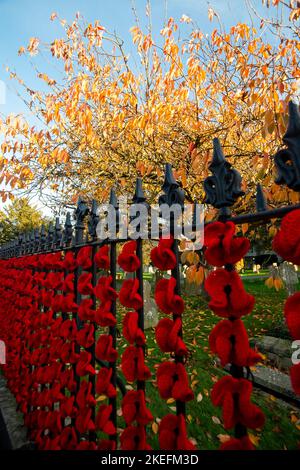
point(261, 204)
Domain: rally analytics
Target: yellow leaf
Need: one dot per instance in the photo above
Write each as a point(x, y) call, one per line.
point(154, 428)
point(215, 420)
point(101, 398)
point(254, 439)
point(199, 397)
point(170, 400)
point(223, 438)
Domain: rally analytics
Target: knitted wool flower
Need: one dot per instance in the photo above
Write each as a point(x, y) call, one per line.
point(287, 240)
point(68, 439)
point(243, 443)
point(85, 336)
point(103, 315)
point(84, 257)
point(68, 329)
point(228, 297)
point(229, 340)
point(84, 284)
point(84, 422)
point(54, 281)
point(104, 349)
point(162, 255)
point(68, 284)
point(167, 336)
point(172, 434)
point(233, 395)
point(292, 315)
point(166, 298)
point(131, 330)
point(129, 296)
point(70, 263)
point(107, 444)
point(127, 259)
point(67, 353)
point(85, 310)
point(84, 397)
point(134, 408)
point(103, 421)
point(86, 445)
point(104, 291)
point(101, 258)
point(67, 408)
point(221, 245)
point(295, 378)
point(104, 385)
point(134, 438)
point(83, 366)
point(133, 364)
point(172, 382)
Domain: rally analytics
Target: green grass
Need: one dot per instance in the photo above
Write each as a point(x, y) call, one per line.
point(204, 420)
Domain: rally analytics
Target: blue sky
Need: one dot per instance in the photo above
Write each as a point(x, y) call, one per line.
point(22, 19)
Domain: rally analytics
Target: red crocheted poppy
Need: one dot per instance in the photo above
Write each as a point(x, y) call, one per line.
point(228, 297)
point(172, 381)
point(103, 315)
point(53, 261)
point(104, 291)
point(221, 245)
point(287, 240)
point(134, 408)
point(104, 349)
point(127, 259)
point(86, 445)
point(85, 310)
point(70, 263)
point(84, 284)
point(84, 422)
point(292, 314)
point(46, 298)
point(54, 281)
point(295, 378)
point(131, 330)
point(134, 438)
point(67, 408)
point(133, 364)
point(243, 443)
point(104, 385)
point(68, 284)
point(68, 329)
point(233, 395)
point(162, 255)
point(67, 353)
point(167, 336)
point(68, 439)
point(166, 298)
point(106, 444)
point(102, 258)
point(53, 422)
point(229, 340)
point(67, 380)
point(172, 434)
point(129, 296)
point(85, 336)
point(83, 366)
point(84, 397)
point(103, 421)
point(84, 257)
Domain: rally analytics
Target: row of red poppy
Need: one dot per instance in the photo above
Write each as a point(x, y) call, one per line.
point(287, 244)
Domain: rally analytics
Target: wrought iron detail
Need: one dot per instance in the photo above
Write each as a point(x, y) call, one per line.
point(57, 233)
point(173, 193)
point(50, 237)
point(224, 187)
point(261, 204)
point(93, 219)
point(287, 160)
point(68, 230)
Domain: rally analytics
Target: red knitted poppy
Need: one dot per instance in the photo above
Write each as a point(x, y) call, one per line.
point(287, 240)
point(104, 385)
point(295, 378)
point(134, 408)
point(68, 284)
point(133, 365)
point(103, 421)
point(104, 349)
point(243, 443)
point(85, 310)
point(84, 257)
point(84, 286)
point(172, 434)
point(221, 245)
point(103, 315)
point(228, 297)
point(172, 381)
point(162, 255)
point(233, 395)
point(84, 422)
point(86, 445)
point(292, 314)
point(129, 296)
point(83, 366)
point(167, 336)
point(107, 444)
point(68, 439)
point(104, 291)
point(85, 336)
point(134, 438)
point(70, 263)
point(102, 258)
point(127, 259)
point(131, 330)
point(165, 297)
point(84, 397)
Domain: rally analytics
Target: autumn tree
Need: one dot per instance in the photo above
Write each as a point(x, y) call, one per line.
point(111, 117)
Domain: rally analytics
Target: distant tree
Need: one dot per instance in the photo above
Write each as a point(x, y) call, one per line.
point(20, 216)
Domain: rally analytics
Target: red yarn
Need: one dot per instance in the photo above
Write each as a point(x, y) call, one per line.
point(233, 395)
point(134, 408)
point(84, 422)
point(103, 421)
point(127, 259)
point(84, 257)
point(70, 263)
point(287, 240)
point(85, 310)
point(295, 378)
point(162, 255)
point(83, 366)
point(166, 299)
point(172, 381)
point(102, 258)
point(133, 365)
point(228, 297)
point(129, 296)
point(84, 397)
point(292, 314)
point(243, 443)
point(104, 291)
point(104, 385)
point(131, 330)
point(103, 315)
point(167, 336)
point(134, 438)
point(84, 286)
point(85, 336)
point(172, 434)
point(221, 245)
point(104, 349)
